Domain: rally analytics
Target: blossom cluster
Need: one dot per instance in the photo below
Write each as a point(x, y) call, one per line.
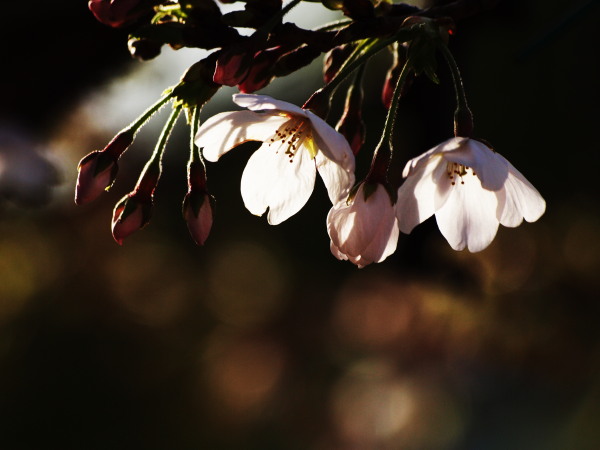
point(469, 187)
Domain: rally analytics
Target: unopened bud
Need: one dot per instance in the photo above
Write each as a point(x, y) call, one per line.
point(294, 60)
point(98, 169)
point(131, 213)
point(334, 59)
point(260, 74)
point(233, 65)
point(198, 205)
point(198, 212)
point(117, 13)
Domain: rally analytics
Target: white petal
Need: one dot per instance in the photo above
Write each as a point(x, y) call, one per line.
point(337, 179)
point(271, 181)
point(417, 195)
point(333, 144)
point(336, 252)
point(518, 200)
point(365, 231)
point(257, 102)
point(223, 131)
point(468, 217)
point(489, 166)
point(416, 163)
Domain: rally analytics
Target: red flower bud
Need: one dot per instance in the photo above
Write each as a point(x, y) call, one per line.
point(198, 212)
point(98, 169)
point(233, 66)
point(198, 204)
point(334, 59)
point(260, 74)
point(131, 213)
point(116, 13)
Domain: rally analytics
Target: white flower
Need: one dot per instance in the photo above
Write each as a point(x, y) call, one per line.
point(281, 174)
point(364, 229)
point(470, 189)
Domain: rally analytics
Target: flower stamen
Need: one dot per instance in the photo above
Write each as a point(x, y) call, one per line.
point(456, 170)
point(292, 135)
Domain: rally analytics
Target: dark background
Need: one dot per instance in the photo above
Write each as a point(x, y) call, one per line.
point(262, 339)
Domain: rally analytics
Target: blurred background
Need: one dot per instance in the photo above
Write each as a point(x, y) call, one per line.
point(261, 339)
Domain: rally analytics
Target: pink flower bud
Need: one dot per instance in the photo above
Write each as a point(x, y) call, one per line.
point(233, 66)
point(334, 59)
point(260, 74)
point(98, 169)
point(198, 204)
point(198, 212)
point(131, 213)
point(116, 13)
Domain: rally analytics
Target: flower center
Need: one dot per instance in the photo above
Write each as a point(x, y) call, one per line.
point(291, 135)
point(457, 172)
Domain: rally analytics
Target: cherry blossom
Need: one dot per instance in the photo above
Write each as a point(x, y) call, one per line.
point(364, 228)
point(280, 175)
point(470, 188)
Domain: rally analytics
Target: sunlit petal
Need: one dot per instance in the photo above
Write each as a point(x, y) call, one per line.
point(256, 102)
point(518, 200)
point(366, 230)
point(337, 179)
point(490, 167)
point(331, 143)
point(417, 194)
point(468, 217)
point(271, 180)
point(224, 131)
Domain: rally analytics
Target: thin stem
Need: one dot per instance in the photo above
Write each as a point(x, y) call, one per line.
point(195, 124)
point(357, 59)
point(136, 124)
point(463, 118)
point(153, 166)
point(333, 25)
point(461, 98)
point(196, 169)
point(383, 152)
point(390, 120)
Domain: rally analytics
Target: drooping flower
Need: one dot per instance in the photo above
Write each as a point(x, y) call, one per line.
point(364, 228)
point(281, 174)
point(470, 188)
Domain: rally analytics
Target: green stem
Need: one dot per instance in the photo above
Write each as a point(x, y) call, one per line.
point(195, 124)
point(334, 25)
point(383, 152)
point(463, 118)
point(137, 123)
point(153, 167)
point(388, 128)
point(461, 98)
point(361, 54)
